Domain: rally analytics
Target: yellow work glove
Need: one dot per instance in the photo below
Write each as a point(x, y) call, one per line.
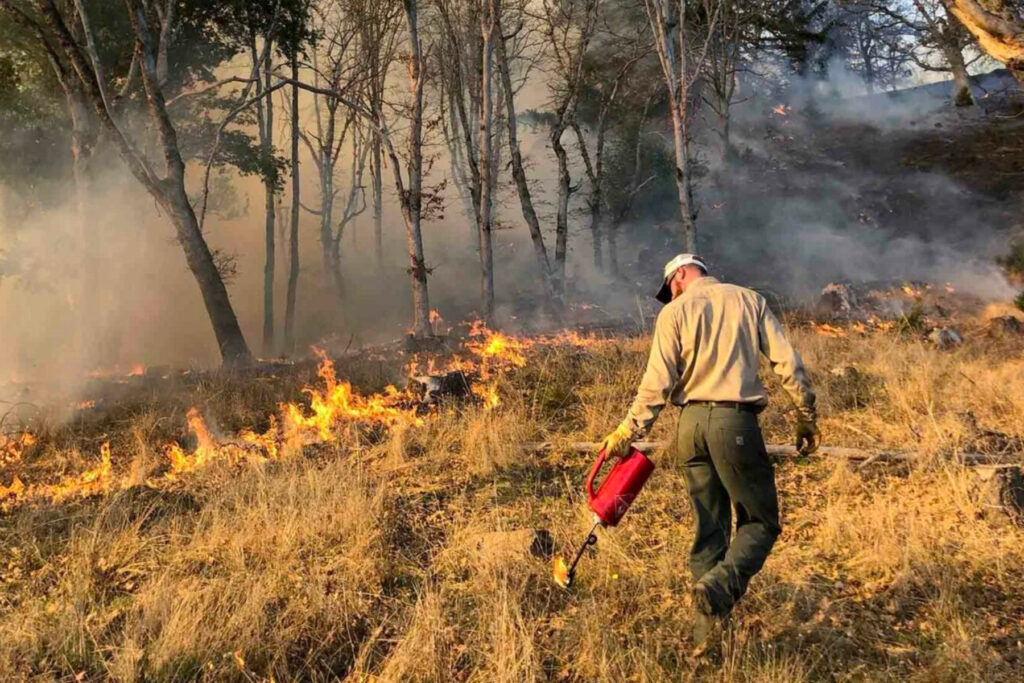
point(616, 444)
point(808, 436)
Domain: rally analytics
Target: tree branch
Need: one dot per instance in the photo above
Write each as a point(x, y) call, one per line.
point(209, 87)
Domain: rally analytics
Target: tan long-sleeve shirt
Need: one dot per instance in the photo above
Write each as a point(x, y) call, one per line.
point(706, 347)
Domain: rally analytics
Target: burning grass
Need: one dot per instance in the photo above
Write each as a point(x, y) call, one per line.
point(343, 533)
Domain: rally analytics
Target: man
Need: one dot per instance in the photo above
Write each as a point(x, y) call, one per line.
point(705, 357)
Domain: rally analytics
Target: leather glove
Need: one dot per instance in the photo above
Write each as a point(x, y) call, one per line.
point(808, 436)
point(617, 444)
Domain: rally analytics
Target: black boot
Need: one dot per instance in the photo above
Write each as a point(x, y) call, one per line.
point(707, 626)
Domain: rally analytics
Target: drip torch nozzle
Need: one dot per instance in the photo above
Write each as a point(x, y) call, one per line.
point(565, 577)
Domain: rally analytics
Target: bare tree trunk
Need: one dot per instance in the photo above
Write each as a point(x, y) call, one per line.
point(597, 194)
point(684, 178)
point(595, 168)
point(680, 70)
point(961, 81)
point(352, 208)
point(293, 234)
point(519, 172)
point(613, 251)
point(200, 261)
point(634, 188)
point(569, 55)
point(266, 125)
point(331, 267)
point(485, 164)
point(562, 212)
point(595, 176)
point(414, 200)
point(725, 131)
point(376, 170)
point(451, 127)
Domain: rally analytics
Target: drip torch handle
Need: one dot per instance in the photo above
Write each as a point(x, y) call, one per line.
point(594, 469)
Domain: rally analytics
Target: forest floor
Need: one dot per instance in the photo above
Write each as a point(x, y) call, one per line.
point(365, 544)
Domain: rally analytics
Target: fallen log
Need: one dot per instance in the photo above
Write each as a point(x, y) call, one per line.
point(998, 484)
point(854, 454)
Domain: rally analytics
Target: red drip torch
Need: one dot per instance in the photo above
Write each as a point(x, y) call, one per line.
point(614, 496)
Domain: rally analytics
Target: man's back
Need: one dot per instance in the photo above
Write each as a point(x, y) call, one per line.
point(718, 325)
point(706, 347)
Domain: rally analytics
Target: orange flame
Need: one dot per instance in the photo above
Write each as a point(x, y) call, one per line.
point(338, 401)
point(488, 394)
point(11, 449)
point(500, 348)
point(91, 482)
point(268, 440)
point(560, 572)
point(15, 490)
point(333, 405)
point(477, 328)
point(828, 330)
point(206, 449)
point(94, 481)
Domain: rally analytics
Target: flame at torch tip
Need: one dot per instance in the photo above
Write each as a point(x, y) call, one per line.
point(560, 572)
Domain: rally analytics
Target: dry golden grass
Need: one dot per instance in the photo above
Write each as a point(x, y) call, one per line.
point(407, 559)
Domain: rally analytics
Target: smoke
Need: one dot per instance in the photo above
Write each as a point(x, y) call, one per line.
point(820, 188)
point(103, 289)
point(827, 183)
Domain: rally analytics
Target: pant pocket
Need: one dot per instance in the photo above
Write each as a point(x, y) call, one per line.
point(741, 444)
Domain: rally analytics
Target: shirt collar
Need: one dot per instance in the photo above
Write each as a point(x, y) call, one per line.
point(705, 281)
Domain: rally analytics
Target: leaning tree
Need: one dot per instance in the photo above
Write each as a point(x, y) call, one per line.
point(66, 34)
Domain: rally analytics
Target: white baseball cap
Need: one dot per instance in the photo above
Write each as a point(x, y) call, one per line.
point(664, 294)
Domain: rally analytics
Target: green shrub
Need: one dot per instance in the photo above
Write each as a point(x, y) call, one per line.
point(1014, 261)
point(914, 320)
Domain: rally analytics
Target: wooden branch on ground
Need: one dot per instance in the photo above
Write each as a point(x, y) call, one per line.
point(854, 454)
point(997, 484)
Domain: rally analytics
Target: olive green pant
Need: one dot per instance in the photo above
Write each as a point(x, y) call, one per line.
point(726, 466)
